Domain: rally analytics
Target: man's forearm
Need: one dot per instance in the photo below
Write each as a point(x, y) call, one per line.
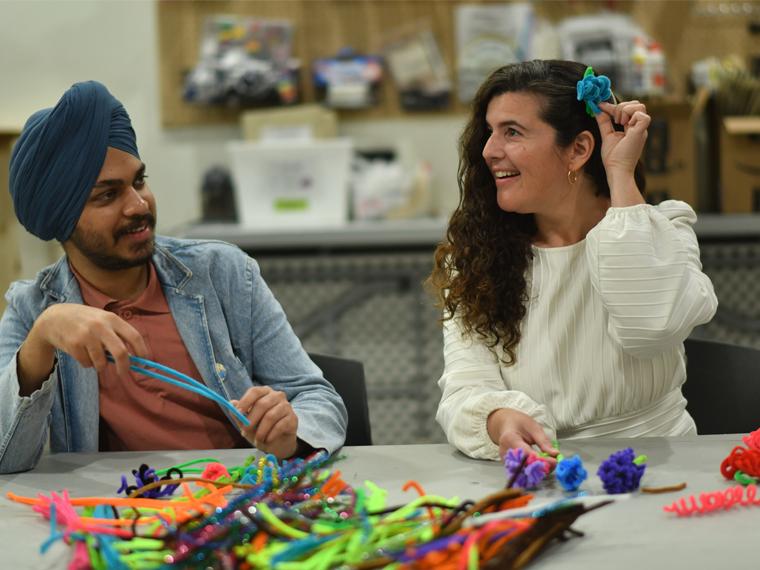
point(34, 363)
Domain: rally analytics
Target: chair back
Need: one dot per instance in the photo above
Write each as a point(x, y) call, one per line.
point(722, 386)
point(347, 377)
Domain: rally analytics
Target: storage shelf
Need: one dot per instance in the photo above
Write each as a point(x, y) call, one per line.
point(379, 234)
point(414, 233)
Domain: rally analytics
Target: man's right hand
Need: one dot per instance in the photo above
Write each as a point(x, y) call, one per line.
point(85, 333)
point(514, 429)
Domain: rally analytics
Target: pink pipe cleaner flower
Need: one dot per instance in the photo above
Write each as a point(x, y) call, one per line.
point(752, 440)
point(214, 471)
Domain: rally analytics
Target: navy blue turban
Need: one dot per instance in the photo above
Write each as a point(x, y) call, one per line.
point(56, 160)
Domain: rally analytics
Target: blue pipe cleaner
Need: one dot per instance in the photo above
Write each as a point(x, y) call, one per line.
point(55, 534)
point(181, 380)
point(530, 476)
point(593, 89)
point(622, 472)
point(571, 473)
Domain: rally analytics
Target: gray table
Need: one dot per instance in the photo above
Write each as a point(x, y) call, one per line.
point(630, 534)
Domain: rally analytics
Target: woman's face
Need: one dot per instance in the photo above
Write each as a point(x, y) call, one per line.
point(529, 169)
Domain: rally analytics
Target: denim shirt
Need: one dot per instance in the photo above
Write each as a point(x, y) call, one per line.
point(234, 329)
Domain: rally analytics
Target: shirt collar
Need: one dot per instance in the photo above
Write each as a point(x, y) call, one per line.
point(151, 300)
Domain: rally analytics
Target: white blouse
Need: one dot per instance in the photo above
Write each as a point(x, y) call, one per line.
point(601, 351)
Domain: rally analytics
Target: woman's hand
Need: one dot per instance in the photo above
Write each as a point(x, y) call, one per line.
point(621, 150)
point(511, 429)
point(274, 423)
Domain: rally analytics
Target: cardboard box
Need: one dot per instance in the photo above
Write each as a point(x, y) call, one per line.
point(299, 122)
point(669, 154)
point(740, 165)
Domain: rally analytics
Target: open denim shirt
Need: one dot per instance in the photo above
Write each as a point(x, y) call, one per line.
point(234, 329)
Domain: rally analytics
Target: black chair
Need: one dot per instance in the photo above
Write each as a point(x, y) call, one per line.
point(347, 376)
point(722, 386)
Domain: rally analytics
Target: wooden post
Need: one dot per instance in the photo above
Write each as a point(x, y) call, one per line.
point(10, 259)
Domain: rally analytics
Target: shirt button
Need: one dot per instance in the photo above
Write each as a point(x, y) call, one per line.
point(126, 314)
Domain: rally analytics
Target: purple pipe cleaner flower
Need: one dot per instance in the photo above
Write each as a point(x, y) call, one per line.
point(532, 473)
point(593, 89)
point(146, 475)
point(570, 473)
point(621, 472)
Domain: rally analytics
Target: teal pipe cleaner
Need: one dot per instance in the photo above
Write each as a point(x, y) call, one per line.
point(144, 366)
point(593, 89)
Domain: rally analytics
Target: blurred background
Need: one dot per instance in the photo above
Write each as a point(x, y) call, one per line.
point(321, 137)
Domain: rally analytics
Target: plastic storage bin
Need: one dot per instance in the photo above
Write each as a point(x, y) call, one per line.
point(300, 183)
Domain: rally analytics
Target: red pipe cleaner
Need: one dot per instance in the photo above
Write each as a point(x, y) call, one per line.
point(713, 501)
point(741, 459)
point(753, 440)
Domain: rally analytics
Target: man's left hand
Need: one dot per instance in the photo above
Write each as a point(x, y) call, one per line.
point(273, 422)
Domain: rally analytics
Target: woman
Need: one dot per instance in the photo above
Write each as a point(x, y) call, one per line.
point(566, 297)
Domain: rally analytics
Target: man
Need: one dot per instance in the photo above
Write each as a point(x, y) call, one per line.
point(200, 307)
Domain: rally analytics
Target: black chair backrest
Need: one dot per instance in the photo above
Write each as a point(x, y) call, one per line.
point(347, 376)
point(722, 386)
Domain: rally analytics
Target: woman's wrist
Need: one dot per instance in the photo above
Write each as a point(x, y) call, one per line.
point(494, 423)
point(624, 191)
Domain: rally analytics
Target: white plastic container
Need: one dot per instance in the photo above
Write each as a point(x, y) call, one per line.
point(638, 84)
point(656, 73)
point(286, 184)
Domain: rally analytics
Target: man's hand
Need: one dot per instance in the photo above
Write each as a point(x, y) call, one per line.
point(86, 333)
point(513, 429)
point(273, 422)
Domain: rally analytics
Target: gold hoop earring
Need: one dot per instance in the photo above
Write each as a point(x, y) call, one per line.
point(572, 176)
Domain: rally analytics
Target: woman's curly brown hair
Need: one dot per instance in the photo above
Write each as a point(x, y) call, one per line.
point(479, 271)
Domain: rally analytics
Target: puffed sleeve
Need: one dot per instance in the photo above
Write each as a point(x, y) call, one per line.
point(472, 388)
point(645, 266)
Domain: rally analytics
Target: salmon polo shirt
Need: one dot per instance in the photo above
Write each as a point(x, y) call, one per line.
point(141, 413)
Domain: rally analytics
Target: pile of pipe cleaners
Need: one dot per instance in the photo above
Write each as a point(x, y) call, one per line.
point(741, 466)
point(295, 514)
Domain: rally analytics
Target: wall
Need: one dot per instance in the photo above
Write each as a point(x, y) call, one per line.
point(56, 43)
point(47, 45)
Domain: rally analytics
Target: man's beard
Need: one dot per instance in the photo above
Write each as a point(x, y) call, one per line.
point(95, 248)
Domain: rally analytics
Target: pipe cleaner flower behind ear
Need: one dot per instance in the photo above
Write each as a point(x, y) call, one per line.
point(593, 89)
point(621, 472)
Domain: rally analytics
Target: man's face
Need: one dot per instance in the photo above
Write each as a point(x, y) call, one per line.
point(115, 230)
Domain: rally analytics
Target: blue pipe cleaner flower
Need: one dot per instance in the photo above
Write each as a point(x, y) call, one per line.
point(570, 473)
point(621, 472)
point(533, 472)
point(593, 89)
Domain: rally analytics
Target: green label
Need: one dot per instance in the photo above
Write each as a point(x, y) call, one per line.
point(291, 204)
